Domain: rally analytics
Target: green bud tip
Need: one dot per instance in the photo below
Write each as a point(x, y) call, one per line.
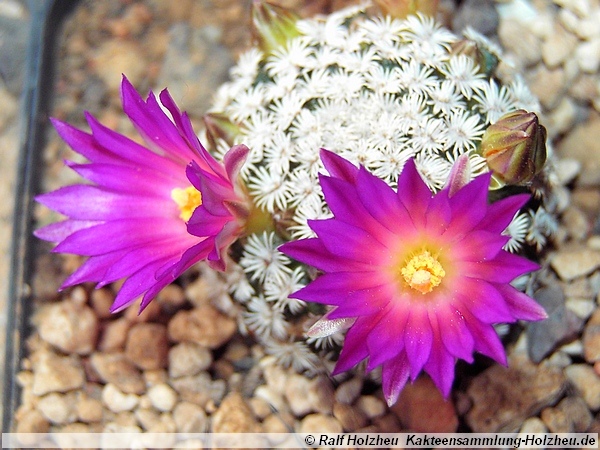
point(515, 147)
point(273, 25)
point(400, 9)
point(220, 127)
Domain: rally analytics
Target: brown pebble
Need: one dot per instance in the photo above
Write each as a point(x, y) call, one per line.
point(351, 418)
point(577, 412)
point(114, 335)
point(204, 325)
point(388, 424)
point(556, 420)
point(147, 346)
point(188, 358)
point(89, 409)
point(70, 327)
point(200, 389)
point(234, 416)
point(171, 298)
point(32, 422)
point(117, 369)
point(371, 406)
point(260, 408)
point(273, 424)
point(53, 373)
point(189, 418)
point(416, 403)
point(322, 394)
point(349, 391)
point(151, 312)
point(320, 423)
point(101, 300)
point(591, 342)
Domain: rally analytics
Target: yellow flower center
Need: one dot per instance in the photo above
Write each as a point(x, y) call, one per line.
point(187, 200)
point(423, 272)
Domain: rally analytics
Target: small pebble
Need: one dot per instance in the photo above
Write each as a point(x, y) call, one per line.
point(260, 408)
point(55, 373)
point(351, 418)
point(147, 346)
point(577, 412)
point(587, 382)
point(32, 421)
point(58, 408)
point(320, 423)
point(575, 262)
point(200, 389)
point(114, 335)
point(101, 300)
point(70, 327)
point(204, 325)
point(234, 416)
point(296, 394)
point(556, 420)
point(371, 406)
point(533, 425)
point(417, 401)
point(147, 417)
point(348, 391)
point(116, 400)
point(117, 369)
point(189, 418)
point(273, 424)
point(188, 358)
point(89, 409)
point(163, 397)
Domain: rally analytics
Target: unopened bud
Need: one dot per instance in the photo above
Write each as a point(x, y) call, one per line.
point(400, 9)
point(273, 25)
point(486, 61)
point(219, 127)
point(515, 147)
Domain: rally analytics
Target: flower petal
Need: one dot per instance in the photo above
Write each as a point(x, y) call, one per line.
point(413, 193)
point(355, 348)
point(440, 365)
point(501, 213)
point(455, 334)
point(386, 340)
point(486, 339)
point(469, 206)
point(382, 203)
point(504, 268)
point(484, 301)
point(338, 167)
point(394, 376)
point(347, 241)
point(312, 252)
point(521, 306)
point(417, 340)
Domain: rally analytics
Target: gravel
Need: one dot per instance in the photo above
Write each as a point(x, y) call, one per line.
point(181, 365)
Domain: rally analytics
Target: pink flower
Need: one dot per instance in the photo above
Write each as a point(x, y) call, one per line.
point(421, 277)
point(132, 221)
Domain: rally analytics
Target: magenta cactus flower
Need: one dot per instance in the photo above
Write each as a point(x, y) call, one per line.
point(421, 277)
point(132, 221)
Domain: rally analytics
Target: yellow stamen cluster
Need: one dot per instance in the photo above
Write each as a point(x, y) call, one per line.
point(187, 200)
point(423, 272)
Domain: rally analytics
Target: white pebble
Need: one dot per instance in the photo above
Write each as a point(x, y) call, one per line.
point(162, 396)
point(588, 55)
point(118, 401)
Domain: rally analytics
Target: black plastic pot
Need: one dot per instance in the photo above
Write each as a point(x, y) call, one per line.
point(46, 18)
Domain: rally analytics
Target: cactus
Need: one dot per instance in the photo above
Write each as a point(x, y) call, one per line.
point(378, 91)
